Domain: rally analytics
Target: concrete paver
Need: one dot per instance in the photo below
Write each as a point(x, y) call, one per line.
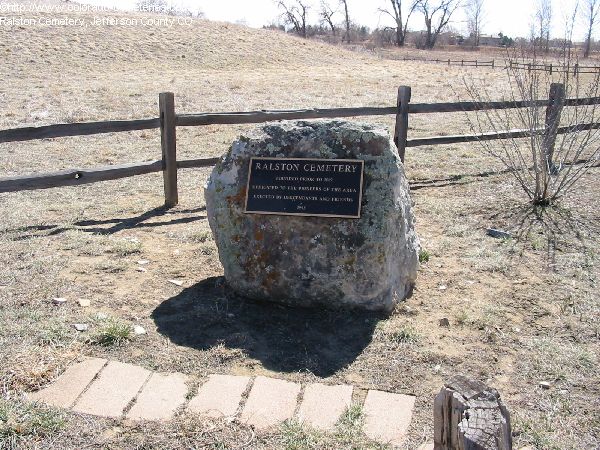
point(65, 390)
point(387, 416)
point(219, 396)
point(160, 397)
point(112, 391)
point(270, 402)
point(428, 446)
point(323, 405)
point(95, 386)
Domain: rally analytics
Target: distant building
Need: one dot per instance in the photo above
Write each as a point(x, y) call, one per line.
point(490, 41)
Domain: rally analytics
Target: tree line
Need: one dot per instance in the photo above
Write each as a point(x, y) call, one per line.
point(335, 19)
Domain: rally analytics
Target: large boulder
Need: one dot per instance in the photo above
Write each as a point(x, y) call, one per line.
point(367, 263)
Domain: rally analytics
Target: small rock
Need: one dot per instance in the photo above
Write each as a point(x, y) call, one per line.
point(101, 316)
point(143, 262)
point(81, 326)
point(231, 315)
point(84, 302)
point(139, 330)
point(176, 282)
point(437, 368)
point(442, 287)
point(141, 269)
point(499, 234)
point(59, 301)
point(516, 329)
point(545, 385)
point(407, 310)
point(444, 322)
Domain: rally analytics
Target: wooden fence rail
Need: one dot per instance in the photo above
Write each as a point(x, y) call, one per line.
point(575, 68)
point(168, 121)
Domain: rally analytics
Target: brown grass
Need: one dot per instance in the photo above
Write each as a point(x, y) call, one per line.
point(520, 311)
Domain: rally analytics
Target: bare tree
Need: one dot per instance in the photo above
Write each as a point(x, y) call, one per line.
point(397, 14)
point(344, 3)
point(475, 15)
point(437, 14)
point(327, 13)
point(294, 14)
point(590, 11)
point(543, 17)
point(557, 146)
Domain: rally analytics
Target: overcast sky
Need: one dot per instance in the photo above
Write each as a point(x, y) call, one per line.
point(512, 17)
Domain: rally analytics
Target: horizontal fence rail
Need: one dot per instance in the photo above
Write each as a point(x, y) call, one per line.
point(510, 134)
point(169, 121)
point(76, 129)
point(546, 67)
point(75, 177)
point(193, 120)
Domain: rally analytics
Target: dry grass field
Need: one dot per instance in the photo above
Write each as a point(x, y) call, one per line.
point(521, 311)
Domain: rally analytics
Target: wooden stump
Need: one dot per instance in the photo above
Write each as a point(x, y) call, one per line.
point(468, 415)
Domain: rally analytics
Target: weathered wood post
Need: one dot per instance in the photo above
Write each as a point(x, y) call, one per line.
point(493, 63)
point(575, 69)
point(556, 101)
point(468, 415)
point(168, 125)
point(401, 131)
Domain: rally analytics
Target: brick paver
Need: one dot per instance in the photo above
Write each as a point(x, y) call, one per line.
point(112, 391)
point(322, 405)
point(160, 398)
point(95, 386)
point(219, 396)
point(65, 390)
point(270, 402)
point(387, 416)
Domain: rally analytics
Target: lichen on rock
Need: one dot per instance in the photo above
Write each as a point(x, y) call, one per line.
point(369, 263)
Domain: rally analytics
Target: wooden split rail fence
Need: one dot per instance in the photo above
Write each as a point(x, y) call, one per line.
point(168, 122)
point(551, 68)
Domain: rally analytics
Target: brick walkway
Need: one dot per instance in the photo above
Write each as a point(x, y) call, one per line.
point(114, 389)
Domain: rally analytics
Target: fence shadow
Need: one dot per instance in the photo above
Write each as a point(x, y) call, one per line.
point(118, 223)
point(284, 339)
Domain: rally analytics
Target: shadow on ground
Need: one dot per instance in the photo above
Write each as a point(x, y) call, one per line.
point(284, 339)
point(112, 226)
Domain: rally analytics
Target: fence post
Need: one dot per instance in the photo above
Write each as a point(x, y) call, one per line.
point(556, 101)
point(168, 123)
point(448, 61)
point(550, 68)
point(493, 63)
point(469, 415)
point(401, 132)
point(575, 69)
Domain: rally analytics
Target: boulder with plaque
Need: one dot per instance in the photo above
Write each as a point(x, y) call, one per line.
point(315, 213)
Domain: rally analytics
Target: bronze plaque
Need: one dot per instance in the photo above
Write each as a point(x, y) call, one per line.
point(305, 187)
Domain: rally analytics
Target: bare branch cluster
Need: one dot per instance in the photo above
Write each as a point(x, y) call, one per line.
point(437, 14)
point(295, 15)
point(545, 165)
point(475, 15)
point(400, 18)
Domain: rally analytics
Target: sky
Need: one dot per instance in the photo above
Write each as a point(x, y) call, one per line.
point(511, 17)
